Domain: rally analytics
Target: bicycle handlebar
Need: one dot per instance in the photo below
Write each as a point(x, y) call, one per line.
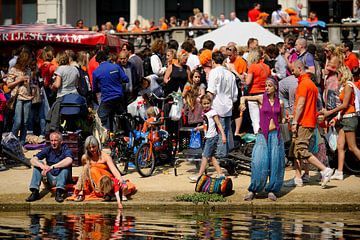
point(171, 95)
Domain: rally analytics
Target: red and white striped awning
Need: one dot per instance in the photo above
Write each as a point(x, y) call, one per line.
point(52, 33)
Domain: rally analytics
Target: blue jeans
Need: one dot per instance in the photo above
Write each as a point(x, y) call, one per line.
point(107, 111)
point(223, 149)
point(21, 119)
point(268, 161)
point(59, 181)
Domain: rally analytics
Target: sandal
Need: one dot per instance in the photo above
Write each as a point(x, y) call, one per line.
point(79, 198)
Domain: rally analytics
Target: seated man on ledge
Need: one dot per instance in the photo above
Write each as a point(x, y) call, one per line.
point(57, 167)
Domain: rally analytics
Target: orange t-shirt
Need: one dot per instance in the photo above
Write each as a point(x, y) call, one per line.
point(136, 29)
point(164, 26)
point(351, 107)
point(147, 124)
point(240, 65)
point(309, 91)
point(260, 73)
point(351, 61)
point(121, 28)
point(93, 64)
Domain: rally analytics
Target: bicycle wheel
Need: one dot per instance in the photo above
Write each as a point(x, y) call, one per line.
point(351, 163)
point(121, 162)
point(145, 160)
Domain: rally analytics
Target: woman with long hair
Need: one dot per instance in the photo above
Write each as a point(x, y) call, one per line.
point(268, 156)
point(348, 120)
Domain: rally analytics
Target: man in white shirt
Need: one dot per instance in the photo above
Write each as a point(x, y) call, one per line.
point(233, 17)
point(222, 20)
point(222, 87)
point(193, 60)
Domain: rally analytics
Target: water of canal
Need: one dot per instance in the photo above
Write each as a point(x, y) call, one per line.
point(205, 224)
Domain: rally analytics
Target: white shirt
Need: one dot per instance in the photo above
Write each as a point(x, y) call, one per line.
point(210, 129)
point(156, 65)
point(235, 20)
point(222, 23)
point(193, 61)
point(223, 86)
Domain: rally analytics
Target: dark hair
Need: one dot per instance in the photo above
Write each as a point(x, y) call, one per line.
point(349, 45)
point(311, 48)
point(187, 46)
point(78, 21)
point(250, 41)
point(173, 44)
point(209, 45)
point(272, 51)
point(280, 45)
point(101, 56)
point(131, 47)
point(291, 41)
point(218, 57)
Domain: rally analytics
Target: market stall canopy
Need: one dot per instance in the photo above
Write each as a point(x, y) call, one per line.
point(238, 32)
point(52, 33)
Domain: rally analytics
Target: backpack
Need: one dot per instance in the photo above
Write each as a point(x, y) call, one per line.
point(315, 77)
point(83, 84)
point(147, 66)
point(357, 97)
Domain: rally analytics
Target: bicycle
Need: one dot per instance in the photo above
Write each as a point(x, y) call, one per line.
point(159, 144)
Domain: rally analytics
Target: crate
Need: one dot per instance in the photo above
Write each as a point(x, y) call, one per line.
point(75, 142)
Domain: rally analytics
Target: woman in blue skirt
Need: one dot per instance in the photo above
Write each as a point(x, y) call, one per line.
point(268, 156)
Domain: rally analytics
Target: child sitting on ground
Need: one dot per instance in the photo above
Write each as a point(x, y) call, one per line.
point(109, 184)
point(211, 127)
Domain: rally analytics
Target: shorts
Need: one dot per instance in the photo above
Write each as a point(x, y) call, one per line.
point(349, 124)
point(301, 143)
point(210, 147)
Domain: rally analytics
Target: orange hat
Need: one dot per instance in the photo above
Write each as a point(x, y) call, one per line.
point(205, 56)
point(263, 14)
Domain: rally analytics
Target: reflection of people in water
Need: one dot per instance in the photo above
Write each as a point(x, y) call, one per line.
point(266, 227)
point(214, 228)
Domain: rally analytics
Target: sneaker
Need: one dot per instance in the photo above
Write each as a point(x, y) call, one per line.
point(294, 182)
point(124, 198)
point(337, 175)
point(35, 195)
point(326, 175)
point(193, 179)
point(250, 196)
point(272, 196)
point(59, 195)
point(305, 178)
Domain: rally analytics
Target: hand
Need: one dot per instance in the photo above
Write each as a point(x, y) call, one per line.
point(321, 117)
point(242, 107)
point(223, 139)
point(120, 206)
point(332, 122)
point(294, 128)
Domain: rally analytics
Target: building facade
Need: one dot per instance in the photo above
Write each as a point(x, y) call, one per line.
point(97, 12)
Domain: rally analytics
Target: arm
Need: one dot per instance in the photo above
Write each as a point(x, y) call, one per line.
point(17, 80)
point(249, 79)
point(124, 78)
point(156, 65)
point(299, 110)
point(168, 74)
point(344, 105)
point(218, 124)
point(66, 162)
point(57, 83)
point(282, 117)
point(112, 166)
point(118, 200)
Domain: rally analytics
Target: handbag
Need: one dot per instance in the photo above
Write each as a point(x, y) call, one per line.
point(221, 185)
point(35, 92)
point(195, 140)
point(331, 137)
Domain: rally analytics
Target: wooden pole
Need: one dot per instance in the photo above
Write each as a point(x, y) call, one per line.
point(18, 18)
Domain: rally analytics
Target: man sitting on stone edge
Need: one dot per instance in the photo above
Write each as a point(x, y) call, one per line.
point(53, 162)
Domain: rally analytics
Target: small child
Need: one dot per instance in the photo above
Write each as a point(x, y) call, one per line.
point(211, 127)
point(108, 184)
point(151, 113)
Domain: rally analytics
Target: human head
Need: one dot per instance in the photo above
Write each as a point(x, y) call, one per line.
point(62, 58)
point(232, 16)
point(47, 54)
point(187, 46)
point(254, 56)
point(91, 147)
point(231, 52)
point(71, 54)
point(173, 44)
point(205, 57)
point(108, 26)
point(344, 74)
point(271, 85)
point(152, 111)
point(312, 14)
point(23, 60)
point(79, 23)
point(121, 20)
point(329, 49)
point(137, 23)
point(125, 47)
point(106, 184)
point(195, 77)
point(158, 46)
point(281, 47)
point(209, 44)
point(300, 45)
point(56, 140)
point(222, 49)
point(252, 43)
point(333, 64)
point(298, 68)
point(289, 42)
point(123, 58)
point(257, 6)
point(205, 101)
point(272, 51)
point(182, 56)
point(83, 58)
point(218, 57)
point(101, 56)
point(170, 55)
point(348, 46)
point(222, 17)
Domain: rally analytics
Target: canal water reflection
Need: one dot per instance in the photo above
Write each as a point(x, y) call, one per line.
point(205, 224)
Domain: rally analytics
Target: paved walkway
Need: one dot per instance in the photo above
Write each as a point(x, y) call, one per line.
point(163, 186)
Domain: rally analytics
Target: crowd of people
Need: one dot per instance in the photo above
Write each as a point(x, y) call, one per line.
point(280, 16)
point(258, 87)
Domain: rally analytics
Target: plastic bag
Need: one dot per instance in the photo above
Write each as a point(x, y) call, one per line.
point(175, 112)
point(331, 137)
point(195, 140)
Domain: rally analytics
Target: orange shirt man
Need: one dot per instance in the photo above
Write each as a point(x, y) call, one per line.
point(351, 61)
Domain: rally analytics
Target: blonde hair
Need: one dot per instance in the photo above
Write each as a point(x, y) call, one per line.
point(62, 58)
point(151, 111)
point(345, 74)
point(254, 56)
point(106, 184)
